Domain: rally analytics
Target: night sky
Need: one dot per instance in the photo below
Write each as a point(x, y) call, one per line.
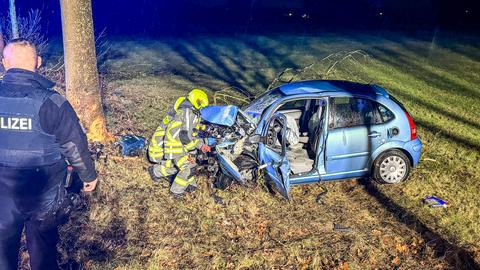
point(184, 17)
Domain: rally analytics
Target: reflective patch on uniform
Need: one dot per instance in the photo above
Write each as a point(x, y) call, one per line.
point(166, 120)
point(180, 181)
point(159, 133)
point(173, 144)
point(182, 161)
point(191, 145)
point(155, 154)
point(23, 123)
point(57, 99)
point(172, 150)
point(171, 126)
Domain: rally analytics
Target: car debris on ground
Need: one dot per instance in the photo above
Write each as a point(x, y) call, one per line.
point(131, 145)
point(435, 202)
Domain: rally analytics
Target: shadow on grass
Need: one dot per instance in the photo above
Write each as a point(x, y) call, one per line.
point(407, 63)
point(437, 109)
point(448, 135)
point(456, 257)
point(223, 63)
point(80, 245)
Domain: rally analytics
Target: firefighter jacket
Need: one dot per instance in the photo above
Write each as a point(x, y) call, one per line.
point(177, 136)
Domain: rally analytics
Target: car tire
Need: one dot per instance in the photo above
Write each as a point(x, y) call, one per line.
point(391, 167)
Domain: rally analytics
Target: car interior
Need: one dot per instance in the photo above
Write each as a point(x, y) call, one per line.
point(308, 116)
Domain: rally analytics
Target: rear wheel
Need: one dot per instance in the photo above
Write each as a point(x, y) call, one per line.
point(391, 167)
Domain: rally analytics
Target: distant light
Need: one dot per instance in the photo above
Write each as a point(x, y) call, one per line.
point(305, 16)
point(467, 11)
point(290, 14)
point(381, 13)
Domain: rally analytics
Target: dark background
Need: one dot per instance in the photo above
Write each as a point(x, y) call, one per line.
point(154, 18)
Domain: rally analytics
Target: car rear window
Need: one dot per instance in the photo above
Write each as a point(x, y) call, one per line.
point(350, 112)
point(385, 113)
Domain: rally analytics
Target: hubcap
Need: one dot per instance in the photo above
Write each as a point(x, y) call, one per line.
point(393, 169)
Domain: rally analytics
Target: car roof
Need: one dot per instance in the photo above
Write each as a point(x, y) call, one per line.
point(322, 86)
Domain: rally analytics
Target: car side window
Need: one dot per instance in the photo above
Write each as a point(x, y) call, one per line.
point(350, 112)
point(384, 113)
point(294, 105)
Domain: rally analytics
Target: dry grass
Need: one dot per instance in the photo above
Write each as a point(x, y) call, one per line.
point(133, 223)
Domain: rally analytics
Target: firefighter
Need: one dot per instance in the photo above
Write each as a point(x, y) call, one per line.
point(174, 144)
point(38, 130)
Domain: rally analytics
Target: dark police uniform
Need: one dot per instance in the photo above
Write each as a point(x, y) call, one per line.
point(38, 130)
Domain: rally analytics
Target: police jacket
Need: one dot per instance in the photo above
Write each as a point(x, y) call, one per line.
point(38, 126)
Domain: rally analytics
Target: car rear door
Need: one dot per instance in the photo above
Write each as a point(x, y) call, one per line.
point(272, 152)
point(352, 135)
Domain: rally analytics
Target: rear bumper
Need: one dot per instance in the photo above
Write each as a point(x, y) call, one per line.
point(415, 149)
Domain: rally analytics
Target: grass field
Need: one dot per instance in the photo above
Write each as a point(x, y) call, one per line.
point(133, 223)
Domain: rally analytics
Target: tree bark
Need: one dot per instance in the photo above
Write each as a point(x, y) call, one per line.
point(2, 45)
point(13, 19)
point(81, 74)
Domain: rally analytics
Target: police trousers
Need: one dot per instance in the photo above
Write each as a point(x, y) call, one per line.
point(26, 194)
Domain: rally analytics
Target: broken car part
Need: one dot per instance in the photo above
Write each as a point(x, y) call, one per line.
point(435, 202)
point(132, 145)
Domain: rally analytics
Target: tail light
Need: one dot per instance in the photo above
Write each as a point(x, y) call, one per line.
point(413, 128)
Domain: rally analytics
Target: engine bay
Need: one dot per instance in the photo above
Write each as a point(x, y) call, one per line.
point(234, 143)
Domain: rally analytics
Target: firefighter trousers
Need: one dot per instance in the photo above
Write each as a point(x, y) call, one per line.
point(183, 170)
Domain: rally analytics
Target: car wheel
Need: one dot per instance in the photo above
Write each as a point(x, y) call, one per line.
point(391, 167)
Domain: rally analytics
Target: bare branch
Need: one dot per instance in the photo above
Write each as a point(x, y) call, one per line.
point(322, 69)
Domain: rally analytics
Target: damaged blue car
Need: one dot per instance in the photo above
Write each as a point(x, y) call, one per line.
point(313, 131)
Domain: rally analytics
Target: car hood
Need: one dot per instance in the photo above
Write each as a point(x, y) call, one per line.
point(224, 115)
point(220, 115)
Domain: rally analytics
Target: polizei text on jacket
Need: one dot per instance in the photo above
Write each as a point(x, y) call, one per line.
point(15, 123)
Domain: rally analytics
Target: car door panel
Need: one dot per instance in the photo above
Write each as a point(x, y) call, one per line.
point(349, 149)
point(350, 143)
point(275, 162)
point(277, 169)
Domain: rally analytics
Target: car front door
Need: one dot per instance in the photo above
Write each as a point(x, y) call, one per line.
point(272, 152)
point(352, 135)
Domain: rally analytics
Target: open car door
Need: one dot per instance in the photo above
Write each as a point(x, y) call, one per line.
point(272, 152)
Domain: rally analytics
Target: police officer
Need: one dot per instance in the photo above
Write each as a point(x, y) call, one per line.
point(38, 130)
point(175, 142)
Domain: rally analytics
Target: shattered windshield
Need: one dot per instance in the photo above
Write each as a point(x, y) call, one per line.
point(262, 102)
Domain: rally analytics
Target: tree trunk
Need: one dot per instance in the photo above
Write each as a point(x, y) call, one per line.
point(2, 45)
point(13, 19)
point(81, 74)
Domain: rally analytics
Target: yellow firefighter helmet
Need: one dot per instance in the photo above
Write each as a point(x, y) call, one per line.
point(198, 98)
